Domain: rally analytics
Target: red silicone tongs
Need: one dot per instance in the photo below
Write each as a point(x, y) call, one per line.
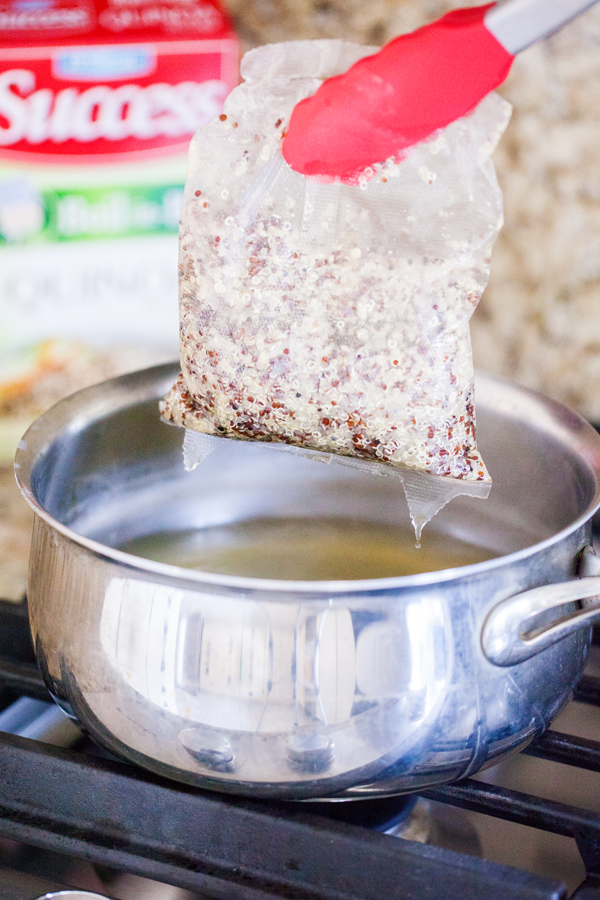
point(415, 85)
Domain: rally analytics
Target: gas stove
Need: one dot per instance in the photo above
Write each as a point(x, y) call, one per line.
point(76, 817)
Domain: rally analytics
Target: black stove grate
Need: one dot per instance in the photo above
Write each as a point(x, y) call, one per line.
point(111, 813)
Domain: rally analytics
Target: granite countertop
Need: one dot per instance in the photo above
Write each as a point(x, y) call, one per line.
point(15, 534)
point(539, 319)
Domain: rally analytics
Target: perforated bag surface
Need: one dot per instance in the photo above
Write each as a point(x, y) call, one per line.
point(331, 316)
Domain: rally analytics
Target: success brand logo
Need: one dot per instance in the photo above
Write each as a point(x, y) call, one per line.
point(38, 116)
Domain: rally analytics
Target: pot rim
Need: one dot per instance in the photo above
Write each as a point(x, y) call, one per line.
point(271, 585)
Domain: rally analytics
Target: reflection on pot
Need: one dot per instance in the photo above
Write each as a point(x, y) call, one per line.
point(312, 683)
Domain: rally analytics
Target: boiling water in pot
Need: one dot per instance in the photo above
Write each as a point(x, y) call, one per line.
point(307, 550)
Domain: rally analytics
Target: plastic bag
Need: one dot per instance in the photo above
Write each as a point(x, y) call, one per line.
point(327, 316)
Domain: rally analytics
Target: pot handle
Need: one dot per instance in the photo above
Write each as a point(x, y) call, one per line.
point(510, 634)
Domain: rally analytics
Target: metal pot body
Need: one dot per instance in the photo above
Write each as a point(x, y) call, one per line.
point(303, 689)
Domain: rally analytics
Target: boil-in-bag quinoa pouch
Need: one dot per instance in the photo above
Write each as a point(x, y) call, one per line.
point(329, 316)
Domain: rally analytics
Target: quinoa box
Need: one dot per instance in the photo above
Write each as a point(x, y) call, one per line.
point(98, 103)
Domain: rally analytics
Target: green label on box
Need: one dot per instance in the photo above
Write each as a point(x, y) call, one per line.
point(58, 215)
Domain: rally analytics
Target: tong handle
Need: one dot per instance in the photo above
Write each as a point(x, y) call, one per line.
point(518, 23)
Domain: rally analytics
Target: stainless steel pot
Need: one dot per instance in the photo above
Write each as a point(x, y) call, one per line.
point(306, 689)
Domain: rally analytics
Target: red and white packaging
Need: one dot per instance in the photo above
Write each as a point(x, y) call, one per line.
point(112, 82)
point(98, 103)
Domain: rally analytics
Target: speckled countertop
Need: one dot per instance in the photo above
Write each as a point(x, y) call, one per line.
point(539, 319)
